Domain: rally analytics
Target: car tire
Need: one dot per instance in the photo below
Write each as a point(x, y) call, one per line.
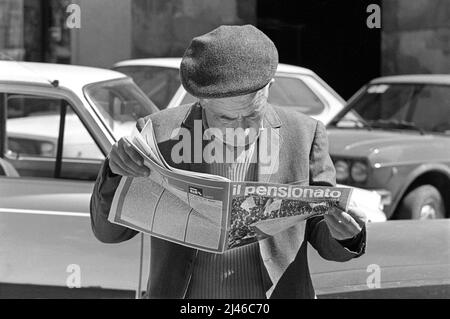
point(423, 202)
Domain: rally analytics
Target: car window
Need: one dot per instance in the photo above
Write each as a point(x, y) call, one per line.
point(159, 83)
point(120, 103)
point(431, 111)
point(294, 93)
point(424, 107)
point(46, 138)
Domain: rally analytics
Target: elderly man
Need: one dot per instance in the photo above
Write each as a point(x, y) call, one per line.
point(230, 70)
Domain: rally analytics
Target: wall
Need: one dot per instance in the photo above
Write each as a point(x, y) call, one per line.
point(415, 36)
point(114, 30)
point(11, 29)
point(105, 34)
point(164, 28)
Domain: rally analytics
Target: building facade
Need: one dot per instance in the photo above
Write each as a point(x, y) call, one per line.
point(330, 37)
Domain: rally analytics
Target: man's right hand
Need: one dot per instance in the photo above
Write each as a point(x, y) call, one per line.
point(125, 161)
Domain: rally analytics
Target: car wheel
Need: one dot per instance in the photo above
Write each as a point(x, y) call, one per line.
point(423, 202)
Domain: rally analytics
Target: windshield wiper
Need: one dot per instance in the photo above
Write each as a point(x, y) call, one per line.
point(397, 124)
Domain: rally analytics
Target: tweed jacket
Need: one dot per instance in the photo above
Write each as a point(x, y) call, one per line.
point(303, 160)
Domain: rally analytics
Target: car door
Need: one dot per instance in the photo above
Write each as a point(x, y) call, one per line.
point(48, 165)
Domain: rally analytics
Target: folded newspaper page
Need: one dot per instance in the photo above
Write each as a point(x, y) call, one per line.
point(210, 212)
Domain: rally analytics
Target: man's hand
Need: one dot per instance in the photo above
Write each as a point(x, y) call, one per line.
point(125, 161)
point(345, 225)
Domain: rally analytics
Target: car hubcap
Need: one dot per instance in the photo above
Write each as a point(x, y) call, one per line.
point(427, 212)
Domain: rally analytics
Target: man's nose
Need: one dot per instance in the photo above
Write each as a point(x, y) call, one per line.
point(242, 122)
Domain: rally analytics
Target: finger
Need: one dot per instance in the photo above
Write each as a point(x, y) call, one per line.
point(134, 170)
point(335, 232)
point(117, 167)
point(137, 159)
point(130, 164)
point(335, 211)
point(358, 215)
point(346, 218)
point(347, 223)
point(132, 153)
point(335, 228)
point(337, 224)
point(121, 167)
point(125, 152)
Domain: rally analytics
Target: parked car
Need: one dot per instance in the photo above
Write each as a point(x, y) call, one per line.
point(394, 137)
point(296, 88)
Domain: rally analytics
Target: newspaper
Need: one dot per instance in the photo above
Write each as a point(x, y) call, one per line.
point(210, 212)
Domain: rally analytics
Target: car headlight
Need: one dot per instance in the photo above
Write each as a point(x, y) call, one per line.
point(342, 170)
point(359, 172)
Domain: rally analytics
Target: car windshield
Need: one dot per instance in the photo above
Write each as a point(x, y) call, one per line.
point(419, 107)
point(159, 83)
point(120, 103)
point(293, 93)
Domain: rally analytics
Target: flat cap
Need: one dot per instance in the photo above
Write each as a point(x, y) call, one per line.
point(228, 61)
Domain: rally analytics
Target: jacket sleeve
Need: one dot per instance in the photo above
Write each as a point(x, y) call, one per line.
point(322, 173)
point(101, 200)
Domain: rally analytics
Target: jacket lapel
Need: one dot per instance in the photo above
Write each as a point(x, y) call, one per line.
point(279, 251)
point(269, 151)
point(270, 144)
point(194, 123)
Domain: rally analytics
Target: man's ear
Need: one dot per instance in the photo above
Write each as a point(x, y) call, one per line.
point(266, 89)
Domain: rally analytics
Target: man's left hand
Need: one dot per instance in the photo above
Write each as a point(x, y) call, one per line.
point(345, 225)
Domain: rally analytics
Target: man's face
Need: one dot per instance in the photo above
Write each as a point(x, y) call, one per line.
point(242, 116)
